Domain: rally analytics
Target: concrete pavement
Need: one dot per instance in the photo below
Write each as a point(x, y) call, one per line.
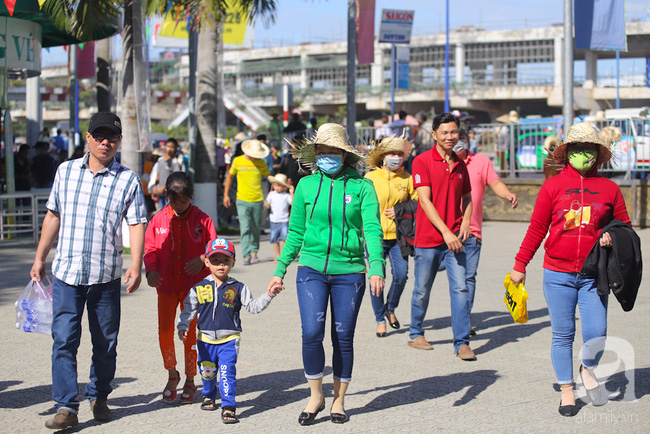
point(394, 388)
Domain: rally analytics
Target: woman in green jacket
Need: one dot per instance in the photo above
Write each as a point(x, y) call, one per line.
point(334, 211)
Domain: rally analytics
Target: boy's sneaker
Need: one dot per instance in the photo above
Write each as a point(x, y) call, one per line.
point(100, 410)
point(62, 420)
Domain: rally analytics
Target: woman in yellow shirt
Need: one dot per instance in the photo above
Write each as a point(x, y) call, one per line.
point(393, 185)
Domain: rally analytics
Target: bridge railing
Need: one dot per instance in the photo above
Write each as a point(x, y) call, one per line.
point(517, 149)
point(21, 217)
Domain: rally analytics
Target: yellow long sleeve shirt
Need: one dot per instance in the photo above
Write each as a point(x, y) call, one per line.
point(391, 188)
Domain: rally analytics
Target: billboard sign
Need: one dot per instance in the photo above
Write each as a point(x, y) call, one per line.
point(396, 26)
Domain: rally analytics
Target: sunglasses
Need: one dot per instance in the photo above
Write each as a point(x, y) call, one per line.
point(113, 138)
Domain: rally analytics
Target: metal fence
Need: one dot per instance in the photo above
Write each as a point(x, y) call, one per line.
point(21, 218)
point(517, 149)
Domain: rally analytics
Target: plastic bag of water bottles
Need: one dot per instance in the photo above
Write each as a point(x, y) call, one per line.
point(34, 307)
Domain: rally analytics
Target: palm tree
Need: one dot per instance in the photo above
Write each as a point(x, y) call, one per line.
point(82, 18)
point(207, 16)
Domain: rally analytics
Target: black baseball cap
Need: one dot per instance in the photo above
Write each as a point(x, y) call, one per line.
point(105, 120)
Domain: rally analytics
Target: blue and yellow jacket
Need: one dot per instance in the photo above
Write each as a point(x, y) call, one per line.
point(218, 309)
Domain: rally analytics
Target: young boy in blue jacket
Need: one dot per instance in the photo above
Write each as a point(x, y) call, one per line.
point(217, 300)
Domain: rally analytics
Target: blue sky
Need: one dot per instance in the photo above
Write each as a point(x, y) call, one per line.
point(317, 21)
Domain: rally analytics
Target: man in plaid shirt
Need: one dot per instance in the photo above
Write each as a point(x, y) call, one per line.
point(89, 199)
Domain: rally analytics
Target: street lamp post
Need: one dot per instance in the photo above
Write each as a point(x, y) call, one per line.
point(447, 59)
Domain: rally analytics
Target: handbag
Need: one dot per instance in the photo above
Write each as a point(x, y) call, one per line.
point(34, 307)
point(515, 298)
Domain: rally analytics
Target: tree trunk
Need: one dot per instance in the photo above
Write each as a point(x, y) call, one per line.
point(207, 96)
point(130, 138)
point(103, 86)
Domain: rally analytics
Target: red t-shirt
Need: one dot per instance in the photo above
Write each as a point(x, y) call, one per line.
point(447, 190)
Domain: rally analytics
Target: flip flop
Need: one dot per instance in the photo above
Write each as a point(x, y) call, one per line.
point(228, 415)
point(246, 261)
point(189, 391)
point(209, 404)
point(169, 394)
point(255, 260)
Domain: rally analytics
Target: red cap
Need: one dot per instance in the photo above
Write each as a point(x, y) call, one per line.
point(220, 245)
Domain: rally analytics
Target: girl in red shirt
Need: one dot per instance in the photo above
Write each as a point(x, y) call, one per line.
point(573, 207)
point(174, 245)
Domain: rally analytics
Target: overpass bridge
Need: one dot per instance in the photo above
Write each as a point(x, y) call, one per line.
point(492, 72)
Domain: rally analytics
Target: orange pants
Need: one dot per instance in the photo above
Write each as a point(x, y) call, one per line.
point(167, 304)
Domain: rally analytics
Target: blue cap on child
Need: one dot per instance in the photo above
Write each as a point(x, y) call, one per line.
point(220, 245)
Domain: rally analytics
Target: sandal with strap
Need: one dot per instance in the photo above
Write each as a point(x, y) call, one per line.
point(228, 415)
point(246, 261)
point(255, 259)
point(209, 404)
point(169, 393)
point(189, 391)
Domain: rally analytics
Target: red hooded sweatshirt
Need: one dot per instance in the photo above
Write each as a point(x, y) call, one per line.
point(576, 208)
point(171, 241)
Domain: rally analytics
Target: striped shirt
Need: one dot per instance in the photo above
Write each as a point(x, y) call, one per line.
point(91, 208)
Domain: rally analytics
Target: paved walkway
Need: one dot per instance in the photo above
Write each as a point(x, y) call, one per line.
point(395, 388)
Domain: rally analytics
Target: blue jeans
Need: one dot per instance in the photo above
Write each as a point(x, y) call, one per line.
point(218, 364)
point(103, 304)
point(563, 291)
point(399, 269)
point(344, 292)
point(427, 262)
point(472, 249)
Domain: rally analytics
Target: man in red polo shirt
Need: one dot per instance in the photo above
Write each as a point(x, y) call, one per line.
point(442, 225)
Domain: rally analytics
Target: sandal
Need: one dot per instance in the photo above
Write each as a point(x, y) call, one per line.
point(246, 261)
point(189, 391)
point(228, 415)
point(255, 260)
point(209, 404)
point(169, 393)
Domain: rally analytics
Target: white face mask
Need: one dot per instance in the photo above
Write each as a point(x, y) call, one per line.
point(393, 163)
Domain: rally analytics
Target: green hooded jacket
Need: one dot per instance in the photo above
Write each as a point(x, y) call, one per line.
point(330, 217)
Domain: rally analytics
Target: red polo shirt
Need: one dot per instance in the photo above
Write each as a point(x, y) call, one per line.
point(447, 190)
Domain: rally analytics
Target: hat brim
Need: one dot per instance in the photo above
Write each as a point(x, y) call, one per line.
point(305, 151)
point(273, 180)
point(223, 252)
point(113, 128)
point(263, 153)
point(391, 144)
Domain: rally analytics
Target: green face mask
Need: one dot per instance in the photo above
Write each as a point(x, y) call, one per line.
point(582, 159)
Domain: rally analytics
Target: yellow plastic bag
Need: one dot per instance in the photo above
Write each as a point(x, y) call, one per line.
point(515, 298)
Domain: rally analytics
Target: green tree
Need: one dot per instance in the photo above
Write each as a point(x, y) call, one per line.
point(83, 17)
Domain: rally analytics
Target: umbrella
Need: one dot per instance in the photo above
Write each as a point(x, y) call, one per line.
point(29, 10)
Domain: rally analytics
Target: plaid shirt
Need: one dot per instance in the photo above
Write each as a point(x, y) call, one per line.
point(91, 208)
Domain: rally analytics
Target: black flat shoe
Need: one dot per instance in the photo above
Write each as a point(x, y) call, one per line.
point(339, 417)
point(395, 324)
point(568, 410)
point(308, 418)
point(594, 395)
point(381, 335)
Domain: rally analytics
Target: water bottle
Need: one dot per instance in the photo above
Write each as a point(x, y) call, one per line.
point(38, 316)
point(36, 305)
point(34, 327)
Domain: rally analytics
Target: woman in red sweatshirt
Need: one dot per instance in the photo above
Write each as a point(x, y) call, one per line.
point(573, 207)
point(174, 245)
